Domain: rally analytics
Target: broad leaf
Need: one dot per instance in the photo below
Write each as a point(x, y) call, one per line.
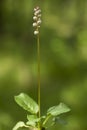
point(33, 118)
point(31, 123)
point(57, 110)
point(27, 103)
point(20, 124)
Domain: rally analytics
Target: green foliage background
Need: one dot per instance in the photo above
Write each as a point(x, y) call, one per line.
point(63, 40)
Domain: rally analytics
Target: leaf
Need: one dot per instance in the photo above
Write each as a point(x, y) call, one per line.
point(57, 110)
point(32, 120)
point(20, 124)
point(31, 123)
point(27, 103)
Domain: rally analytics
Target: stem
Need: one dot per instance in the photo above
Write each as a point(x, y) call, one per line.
point(47, 118)
point(38, 55)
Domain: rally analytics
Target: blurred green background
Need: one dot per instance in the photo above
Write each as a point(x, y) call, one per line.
point(63, 41)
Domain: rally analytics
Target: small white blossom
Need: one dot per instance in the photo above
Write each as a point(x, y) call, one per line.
point(34, 24)
point(37, 12)
point(36, 32)
point(35, 9)
point(39, 21)
point(34, 18)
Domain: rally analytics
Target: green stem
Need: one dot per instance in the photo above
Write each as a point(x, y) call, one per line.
point(38, 54)
point(47, 118)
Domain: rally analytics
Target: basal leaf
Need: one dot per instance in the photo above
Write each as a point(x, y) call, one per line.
point(59, 109)
point(27, 103)
point(31, 123)
point(33, 118)
point(20, 124)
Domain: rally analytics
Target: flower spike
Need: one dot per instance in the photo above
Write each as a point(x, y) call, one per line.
point(37, 19)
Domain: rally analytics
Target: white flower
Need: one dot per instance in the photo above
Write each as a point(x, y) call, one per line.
point(37, 12)
point(36, 32)
point(34, 18)
point(35, 9)
point(39, 21)
point(34, 24)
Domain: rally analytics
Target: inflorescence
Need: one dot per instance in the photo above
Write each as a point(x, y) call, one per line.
point(37, 19)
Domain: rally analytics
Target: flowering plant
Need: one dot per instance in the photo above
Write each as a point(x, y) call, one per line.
point(34, 119)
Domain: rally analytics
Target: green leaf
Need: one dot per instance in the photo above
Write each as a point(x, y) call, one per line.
point(20, 124)
point(31, 123)
point(32, 120)
point(27, 103)
point(59, 109)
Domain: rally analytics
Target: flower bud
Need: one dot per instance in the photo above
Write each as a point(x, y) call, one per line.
point(35, 9)
point(38, 11)
point(34, 24)
point(39, 21)
point(34, 18)
point(36, 32)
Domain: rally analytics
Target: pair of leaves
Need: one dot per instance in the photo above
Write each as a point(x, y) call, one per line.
point(31, 106)
point(53, 113)
point(27, 103)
